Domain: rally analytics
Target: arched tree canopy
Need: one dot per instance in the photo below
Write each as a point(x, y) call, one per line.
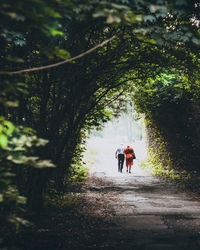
point(146, 50)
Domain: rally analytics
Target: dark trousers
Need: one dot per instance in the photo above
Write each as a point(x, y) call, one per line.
point(120, 162)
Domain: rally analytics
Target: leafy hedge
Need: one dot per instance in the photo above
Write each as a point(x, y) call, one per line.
point(170, 106)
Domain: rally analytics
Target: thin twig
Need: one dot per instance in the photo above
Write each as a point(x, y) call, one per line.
point(62, 62)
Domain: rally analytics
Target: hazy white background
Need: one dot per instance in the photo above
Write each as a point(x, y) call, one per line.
point(101, 146)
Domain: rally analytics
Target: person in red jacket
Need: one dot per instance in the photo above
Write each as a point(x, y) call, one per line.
point(129, 152)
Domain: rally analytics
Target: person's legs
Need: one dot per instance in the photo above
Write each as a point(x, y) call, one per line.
point(120, 167)
point(122, 162)
point(118, 164)
point(126, 167)
point(131, 164)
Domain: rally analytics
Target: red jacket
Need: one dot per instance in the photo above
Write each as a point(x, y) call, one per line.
point(129, 152)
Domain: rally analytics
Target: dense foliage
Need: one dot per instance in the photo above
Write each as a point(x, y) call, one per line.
point(171, 113)
point(47, 112)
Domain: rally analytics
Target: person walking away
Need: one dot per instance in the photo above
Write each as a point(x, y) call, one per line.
point(119, 154)
point(130, 155)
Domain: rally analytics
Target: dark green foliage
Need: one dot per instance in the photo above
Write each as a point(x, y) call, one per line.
point(170, 106)
point(62, 104)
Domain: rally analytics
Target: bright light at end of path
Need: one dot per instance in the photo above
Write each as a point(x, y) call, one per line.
point(100, 155)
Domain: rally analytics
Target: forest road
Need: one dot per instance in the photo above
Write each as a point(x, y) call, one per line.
point(149, 213)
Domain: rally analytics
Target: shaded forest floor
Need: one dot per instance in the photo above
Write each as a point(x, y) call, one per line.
point(126, 211)
point(73, 221)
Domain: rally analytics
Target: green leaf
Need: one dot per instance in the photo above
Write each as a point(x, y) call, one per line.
point(15, 59)
point(3, 141)
point(41, 142)
point(196, 41)
point(44, 164)
point(1, 197)
point(22, 199)
point(10, 127)
point(119, 6)
point(12, 104)
point(22, 159)
point(62, 53)
point(20, 42)
point(19, 220)
point(113, 19)
point(149, 18)
point(54, 32)
point(99, 14)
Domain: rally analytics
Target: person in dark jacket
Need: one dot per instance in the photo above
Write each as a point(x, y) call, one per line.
point(119, 154)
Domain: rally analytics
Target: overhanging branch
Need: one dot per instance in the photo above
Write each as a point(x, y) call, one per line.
point(62, 62)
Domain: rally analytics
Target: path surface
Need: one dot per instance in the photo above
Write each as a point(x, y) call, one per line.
point(150, 214)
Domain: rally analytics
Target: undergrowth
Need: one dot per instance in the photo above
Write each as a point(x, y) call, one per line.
point(165, 171)
point(78, 174)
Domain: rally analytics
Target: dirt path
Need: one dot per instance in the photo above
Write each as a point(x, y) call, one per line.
point(148, 213)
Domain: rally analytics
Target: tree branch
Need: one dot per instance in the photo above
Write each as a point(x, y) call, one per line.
point(62, 62)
